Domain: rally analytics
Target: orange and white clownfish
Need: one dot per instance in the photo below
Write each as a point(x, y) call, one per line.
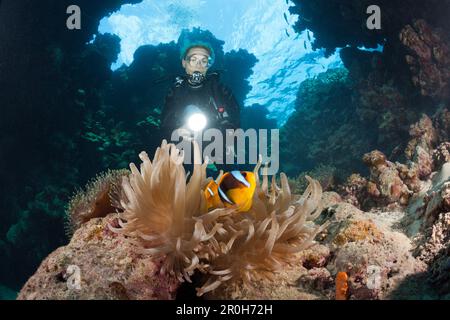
point(235, 188)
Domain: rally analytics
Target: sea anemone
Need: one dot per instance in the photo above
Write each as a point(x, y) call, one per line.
point(260, 242)
point(166, 216)
point(94, 201)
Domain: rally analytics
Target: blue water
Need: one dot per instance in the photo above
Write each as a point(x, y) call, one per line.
point(262, 27)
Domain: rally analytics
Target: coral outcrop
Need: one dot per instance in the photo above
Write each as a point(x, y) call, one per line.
point(168, 217)
point(163, 217)
point(80, 119)
point(397, 248)
point(376, 258)
point(95, 201)
point(99, 264)
point(385, 183)
point(429, 60)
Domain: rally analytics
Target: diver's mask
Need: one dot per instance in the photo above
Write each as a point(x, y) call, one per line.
point(196, 78)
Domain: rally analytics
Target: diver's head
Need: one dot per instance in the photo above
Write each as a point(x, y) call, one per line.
point(197, 58)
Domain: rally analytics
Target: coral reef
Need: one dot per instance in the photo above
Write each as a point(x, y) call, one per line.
point(441, 155)
point(427, 222)
point(425, 185)
point(362, 241)
point(99, 264)
point(387, 230)
point(376, 258)
point(344, 18)
point(402, 236)
point(381, 103)
point(385, 183)
point(162, 217)
point(326, 175)
point(325, 128)
point(169, 217)
point(441, 123)
point(419, 149)
point(354, 190)
point(95, 201)
point(392, 183)
point(439, 275)
point(396, 249)
point(390, 88)
point(429, 60)
point(62, 103)
point(41, 115)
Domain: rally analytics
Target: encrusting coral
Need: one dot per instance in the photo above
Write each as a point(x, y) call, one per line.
point(167, 216)
point(94, 201)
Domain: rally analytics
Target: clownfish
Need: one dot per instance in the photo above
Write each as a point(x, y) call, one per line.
point(235, 188)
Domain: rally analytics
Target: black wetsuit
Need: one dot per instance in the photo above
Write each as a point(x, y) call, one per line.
point(211, 97)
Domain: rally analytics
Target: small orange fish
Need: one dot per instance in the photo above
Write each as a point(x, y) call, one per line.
point(235, 188)
point(341, 286)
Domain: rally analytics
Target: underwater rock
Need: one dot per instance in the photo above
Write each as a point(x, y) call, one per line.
point(330, 199)
point(441, 123)
point(316, 257)
point(385, 185)
point(384, 105)
point(375, 257)
point(440, 267)
point(354, 191)
point(346, 18)
point(427, 222)
point(326, 175)
point(438, 236)
point(348, 224)
point(437, 200)
point(420, 147)
point(429, 60)
point(95, 201)
point(108, 269)
point(409, 176)
point(318, 280)
point(428, 217)
point(324, 135)
point(166, 215)
point(356, 231)
point(395, 183)
point(442, 154)
point(426, 205)
point(436, 253)
point(306, 278)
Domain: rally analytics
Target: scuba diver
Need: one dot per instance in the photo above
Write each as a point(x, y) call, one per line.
point(198, 100)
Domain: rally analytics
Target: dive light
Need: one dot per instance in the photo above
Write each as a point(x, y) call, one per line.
point(196, 120)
